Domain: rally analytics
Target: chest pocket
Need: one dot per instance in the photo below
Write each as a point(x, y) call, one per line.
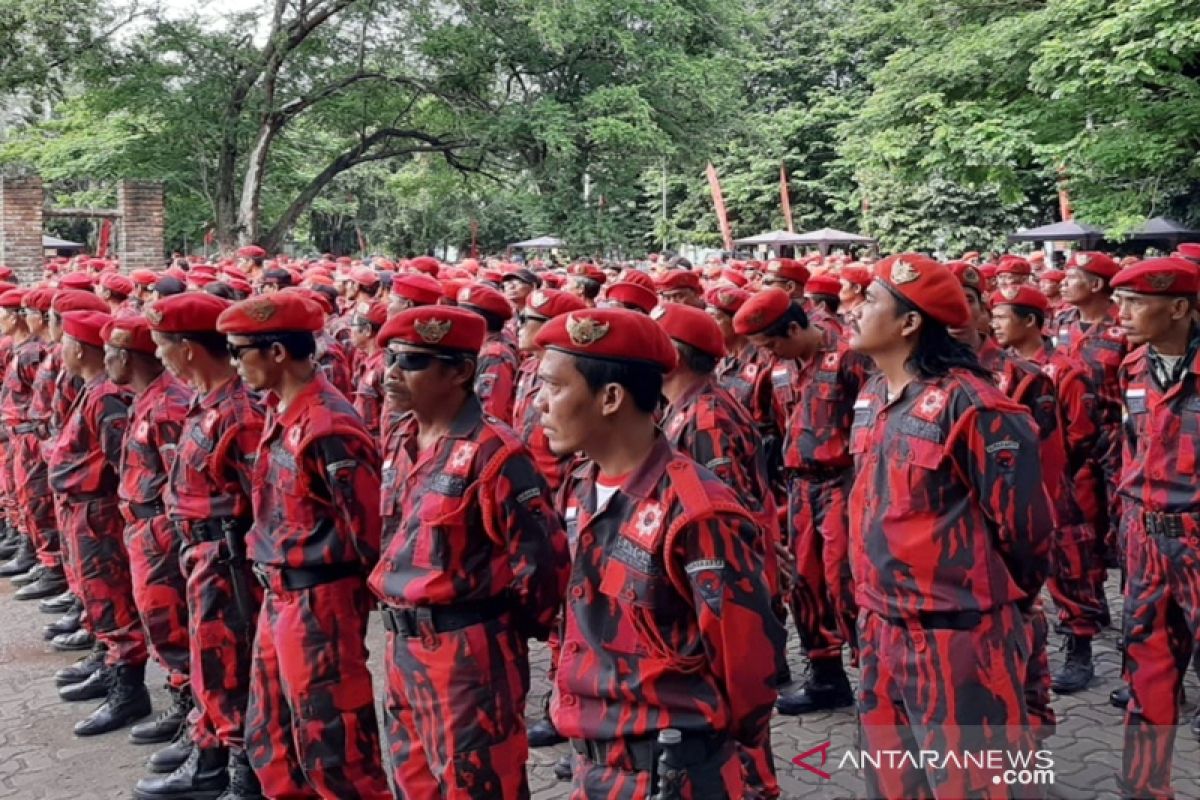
point(636, 599)
point(388, 489)
point(1189, 436)
point(440, 528)
point(916, 459)
point(284, 472)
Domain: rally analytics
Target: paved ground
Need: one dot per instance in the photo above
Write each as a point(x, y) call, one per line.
point(41, 760)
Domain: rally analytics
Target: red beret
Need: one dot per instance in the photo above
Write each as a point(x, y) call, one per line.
point(426, 264)
point(39, 299)
point(927, 285)
point(201, 279)
point(1170, 277)
point(549, 303)
point(734, 277)
point(969, 276)
point(450, 289)
point(1025, 296)
point(691, 326)
point(553, 280)
point(761, 311)
point(312, 295)
point(143, 277)
point(207, 270)
point(726, 298)
point(281, 312)
point(191, 312)
point(13, 298)
point(1037, 257)
point(436, 328)
point(117, 283)
point(1013, 265)
point(76, 280)
point(788, 270)
point(614, 334)
point(6, 272)
point(970, 255)
point(86, 326)
point(234, 272)
point(76, 300)
point(677, 279)
point(240, 285)
point(176, 273)
point(988, 271)
point(589, 271)
point(484, 298)
point(129, 333)
point(859, 276)
point(643, 279)
point(251, 251)
point(1190, 251)
point(1099, 264)
point(418, 287)
point(1053, 275)
point(374, 312)
point(364, 276)
point(823, 284)
point(633, 294)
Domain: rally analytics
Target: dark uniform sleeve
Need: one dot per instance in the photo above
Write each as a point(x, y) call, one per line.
point(495, 386)
point(112, 424)
point(243, 449)
point(537, 544)
point(348, 466)
point(743, 639)
point(166, 439)
point(996, 452)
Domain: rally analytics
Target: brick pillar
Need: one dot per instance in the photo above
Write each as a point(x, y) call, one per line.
point(21, 226)
point(140, 240)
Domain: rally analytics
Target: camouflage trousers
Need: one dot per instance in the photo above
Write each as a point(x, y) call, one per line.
point(455, 711)
point(721, 779)
point(312, 730)
point(160, 592)
point(823, 594)
point(1162, 629)
point(35, 503)
point(99, 567)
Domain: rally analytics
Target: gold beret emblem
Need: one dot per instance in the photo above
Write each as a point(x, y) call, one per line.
point(726, 298)
point(464, 294)
point(971, 277)
point(120, 337)
point(904, 272)
point(658, 312)
point(261, 311)
point(432, 331)
point(585, 331)
point(1009, 292)
point(154, 315)
point(1161, 281)
point(1082, 259)
point(538, 298)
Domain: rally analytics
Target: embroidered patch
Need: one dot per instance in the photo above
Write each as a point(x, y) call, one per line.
point(1161, 282)
point(708, 578)
point(294, 436)
point(830, 361)
point(648, 523)
point(460, 458)
point(432, 331)
point(903, 272)
point(210, 421)
point(538, 298)
point(1135, 399)
point(260, 311)
point(585, 332)
point(930, 405)
point(448, 485)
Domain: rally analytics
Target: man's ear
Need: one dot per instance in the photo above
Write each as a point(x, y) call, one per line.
point(611, 397)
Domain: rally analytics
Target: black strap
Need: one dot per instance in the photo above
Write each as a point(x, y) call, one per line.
point(943, 620)
point(147, 510)
point(295, 579)
point(210, 530)
point(407, 622)
point(1168, 526)
point(643, 751)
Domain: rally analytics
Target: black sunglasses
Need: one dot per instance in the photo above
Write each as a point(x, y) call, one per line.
point(236, 351)
point(414, 362)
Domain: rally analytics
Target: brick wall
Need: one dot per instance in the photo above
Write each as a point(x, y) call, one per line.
point(141, 229)
point(21, 226)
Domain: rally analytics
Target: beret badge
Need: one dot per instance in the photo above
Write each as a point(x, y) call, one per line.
point(903, 272)
point(432, 331)
point(584, 332)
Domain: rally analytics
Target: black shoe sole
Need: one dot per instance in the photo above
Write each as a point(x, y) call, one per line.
point(195, 794)
point(73, 648)
point(124, 723)
point(41, 594)
point(161, 739)
point(65, 681)
point(155, 769)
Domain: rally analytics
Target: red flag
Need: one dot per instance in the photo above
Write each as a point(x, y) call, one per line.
point(105, 236)
point(210, 236)
point(474, 238)
point(1064, 200)
point(714, 186)
point(783, 197)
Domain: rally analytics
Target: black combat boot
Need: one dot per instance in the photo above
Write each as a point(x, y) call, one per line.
point(1077, 671)
point(66, 624)
point(170, 757)
point(202, 776)
point(563, 768)
point(243, 783)
point(165, 727)
point(1119, 697)
point(827, 688)
point(59, 604)
point(51, 583)
point(543, 733)
point(22, 560)
point(127, 702)
point(80, 639)
point(82, 669)
point(1196, 725)
point(95, 687)
point(10, 540)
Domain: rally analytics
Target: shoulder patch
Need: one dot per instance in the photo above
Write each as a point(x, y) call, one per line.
point(708, 578)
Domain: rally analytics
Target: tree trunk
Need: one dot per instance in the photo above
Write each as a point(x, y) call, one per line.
point(248, 216)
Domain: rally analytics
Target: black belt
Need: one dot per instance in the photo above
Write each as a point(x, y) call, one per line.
point(210, 530)
point(294, 579)
point(818, 475)
point(643, 752)
point(1169, 526)
point(942, 620)
point(26, 427)
point(147, 510)
point(407, 622)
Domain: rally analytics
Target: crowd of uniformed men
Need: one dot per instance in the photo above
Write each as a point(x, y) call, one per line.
point(229, 467)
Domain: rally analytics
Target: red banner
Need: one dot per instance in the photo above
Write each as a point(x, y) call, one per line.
point(784, 200)
point(1064, 199)
point(714, 186)
point(104, 238)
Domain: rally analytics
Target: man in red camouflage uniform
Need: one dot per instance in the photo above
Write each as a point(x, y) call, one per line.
point(1089, 332)
point(792, 277)
point(703, 421)
point(1018, 316)
point(825, 380)
point(311, 715)
point(949, 534)
point(495, 382)
point(33, 504)
point(737, 371)
point(365, 323)
point(1160, 520)
point(668, 620)
point(159, 590)
point(208, 499)
point(474, 563)
point(83, 467)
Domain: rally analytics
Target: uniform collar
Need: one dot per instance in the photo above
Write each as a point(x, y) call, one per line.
point(646, 477)
point(300, 402)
